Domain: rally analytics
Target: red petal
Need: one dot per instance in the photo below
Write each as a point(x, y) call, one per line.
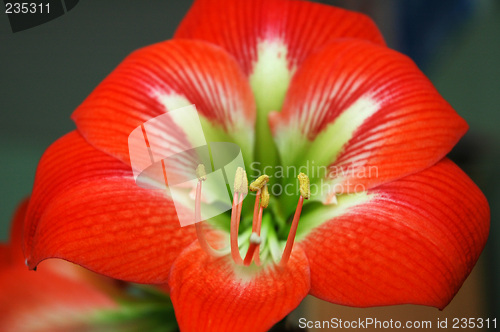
point(415, 241)
point(304, 27)
point(45, 301)
point(87, 209)
point(212, 294)
point(54, 299)
point(357, 106)
point(164, 77)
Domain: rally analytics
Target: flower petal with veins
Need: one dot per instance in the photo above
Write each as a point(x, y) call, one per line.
point(415, 240)
point(356, 105)
point(303, 27)
point(86, 208)
point(163, 77)
point(59, 297)
point(409, 233)
point(213, 294)
point(270, 39)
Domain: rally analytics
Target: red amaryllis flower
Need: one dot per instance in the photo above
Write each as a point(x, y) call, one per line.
point(298, 86)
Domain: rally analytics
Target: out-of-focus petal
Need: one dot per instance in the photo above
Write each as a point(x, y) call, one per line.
point(87, 209)
point(414, 240)
point(46, 301)
point(213, 294)
point(57, 298)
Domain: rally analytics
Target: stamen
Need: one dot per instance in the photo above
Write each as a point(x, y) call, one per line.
point(235, 251)
point(240, 189)
point(202, 176)
point(305, 188)
point(305, 192)
point(240, 181)
point(243, 192)
point(244, 186)
point(256, 255)
point(264, 203)
point(264, 198)
point(256, 213)
point(261, 197)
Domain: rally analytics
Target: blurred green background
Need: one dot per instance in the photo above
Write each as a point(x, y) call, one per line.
point(46, 71)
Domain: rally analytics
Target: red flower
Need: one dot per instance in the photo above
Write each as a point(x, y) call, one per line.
point(399, 223)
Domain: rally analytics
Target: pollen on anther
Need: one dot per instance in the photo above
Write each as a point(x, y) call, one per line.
point(305, 189)
point(264, 197)
point(259, 183)
point(241, 181)
point(244, 185)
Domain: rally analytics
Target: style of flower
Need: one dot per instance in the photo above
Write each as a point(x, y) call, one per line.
point(294, 84)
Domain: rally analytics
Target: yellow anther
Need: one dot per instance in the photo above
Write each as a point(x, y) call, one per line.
point(305, 188)
point(264, 197)
point(259, 183)
point(201, 174)
point(240, 181)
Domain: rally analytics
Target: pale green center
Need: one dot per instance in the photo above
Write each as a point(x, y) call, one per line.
point(269, 81)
